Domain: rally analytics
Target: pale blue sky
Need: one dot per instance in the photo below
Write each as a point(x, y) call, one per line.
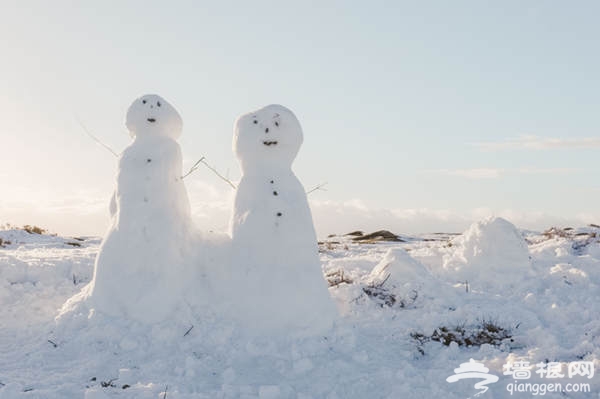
point(393, 96)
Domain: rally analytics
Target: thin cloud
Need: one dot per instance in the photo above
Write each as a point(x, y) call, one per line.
point(545, 171)
point(495, 173)
point(475, 173)
point(83, 214)
point(345, 216)
point(539, 143)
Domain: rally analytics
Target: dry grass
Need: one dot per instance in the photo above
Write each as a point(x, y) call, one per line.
point(33, 229)
point(486, 331)
point(337, 277)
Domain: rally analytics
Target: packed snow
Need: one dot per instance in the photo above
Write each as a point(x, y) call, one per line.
point(141, 266)
point(374, 350)
point(275, 271)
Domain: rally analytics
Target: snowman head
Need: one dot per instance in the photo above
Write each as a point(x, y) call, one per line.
point(270, 136)
point(151, 115)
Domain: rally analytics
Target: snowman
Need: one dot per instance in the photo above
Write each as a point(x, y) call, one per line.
point(275, 250)
point(139, 271)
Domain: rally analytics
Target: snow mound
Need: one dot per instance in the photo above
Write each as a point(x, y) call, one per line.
point(404, 277)
point(491, 253)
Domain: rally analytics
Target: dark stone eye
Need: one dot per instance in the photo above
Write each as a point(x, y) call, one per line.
point(158, 103)
point(143, 101)
point(255, 121)
point(276, 123)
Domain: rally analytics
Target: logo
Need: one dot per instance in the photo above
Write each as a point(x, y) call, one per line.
point(546, 377)
point(474, 370)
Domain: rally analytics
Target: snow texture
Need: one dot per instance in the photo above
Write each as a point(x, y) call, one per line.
point(276, 274)
point(369, 352)
point(140, 270)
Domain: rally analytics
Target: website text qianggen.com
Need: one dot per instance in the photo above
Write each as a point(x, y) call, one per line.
point(543, 388)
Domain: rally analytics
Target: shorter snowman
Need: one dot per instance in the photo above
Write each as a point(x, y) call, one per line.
point(140, 268)
point(275, 257)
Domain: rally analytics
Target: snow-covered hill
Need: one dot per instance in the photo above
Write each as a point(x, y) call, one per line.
point(414, 309)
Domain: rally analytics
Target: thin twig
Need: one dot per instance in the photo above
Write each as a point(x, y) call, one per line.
point(218, 174)
point(193, 168)
point(96, 138)
point(203, 162)
point(53, 343)
point(384, 280)
point(319, 187)
point(165, 395)
point(188, 331)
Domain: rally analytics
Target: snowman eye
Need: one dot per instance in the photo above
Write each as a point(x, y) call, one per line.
point(276, 123)
point(255, 121)
point(143, 101)
point(158, 103)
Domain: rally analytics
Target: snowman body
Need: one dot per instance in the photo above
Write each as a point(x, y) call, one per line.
point(275, 250)
point(140, 268)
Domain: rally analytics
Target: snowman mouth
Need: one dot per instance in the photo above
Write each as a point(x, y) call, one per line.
point(151, 120)
point(269, 143)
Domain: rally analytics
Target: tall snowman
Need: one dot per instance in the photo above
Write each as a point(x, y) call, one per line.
point(139, 271)
point(275, 250)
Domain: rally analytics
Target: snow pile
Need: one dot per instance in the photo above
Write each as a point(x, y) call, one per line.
point(140, 271)
point(38, 272)
point(491, 254)
point(276, 276)
point(407, 281)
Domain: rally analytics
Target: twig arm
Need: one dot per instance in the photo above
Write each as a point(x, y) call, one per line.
point(203, 162)
point(96, 139)
point(319, 187)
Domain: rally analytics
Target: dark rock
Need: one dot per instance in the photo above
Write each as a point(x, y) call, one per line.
point(381, 235)
point(356, 233)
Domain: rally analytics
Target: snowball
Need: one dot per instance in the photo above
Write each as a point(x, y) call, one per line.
point(152, 115)
point(270, 136)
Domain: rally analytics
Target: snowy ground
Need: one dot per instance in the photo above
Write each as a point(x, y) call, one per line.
point(548, 311)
